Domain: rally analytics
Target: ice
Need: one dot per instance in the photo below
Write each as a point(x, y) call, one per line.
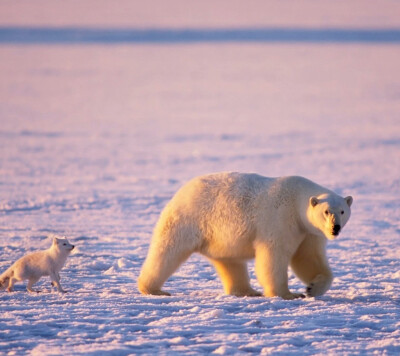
point(96, 138)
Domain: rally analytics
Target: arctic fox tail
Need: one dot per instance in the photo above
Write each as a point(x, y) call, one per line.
point(5, 278)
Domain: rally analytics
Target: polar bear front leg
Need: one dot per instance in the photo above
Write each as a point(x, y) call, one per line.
point(235, 278)
point(271, 267)
point(310, 264)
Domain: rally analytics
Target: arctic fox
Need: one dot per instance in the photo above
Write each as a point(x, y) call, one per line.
point(38, 264)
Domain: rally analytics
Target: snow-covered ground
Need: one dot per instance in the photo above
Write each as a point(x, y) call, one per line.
point(96, 138)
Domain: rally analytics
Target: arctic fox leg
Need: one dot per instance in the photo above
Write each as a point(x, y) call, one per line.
point(30, 284)
point(55, 278)
point(11, 284)
point(4, 282)
point(53, 284)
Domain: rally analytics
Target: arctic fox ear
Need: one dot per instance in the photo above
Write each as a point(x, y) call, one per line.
point(349, 200)
point(313, 201)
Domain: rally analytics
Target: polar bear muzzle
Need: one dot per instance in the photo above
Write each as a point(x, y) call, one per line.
point(336, 230)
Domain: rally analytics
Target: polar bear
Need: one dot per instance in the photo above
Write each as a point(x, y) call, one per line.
point(233, 217)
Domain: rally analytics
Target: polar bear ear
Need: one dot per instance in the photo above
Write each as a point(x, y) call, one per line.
point(349, 200)
point(313, 201)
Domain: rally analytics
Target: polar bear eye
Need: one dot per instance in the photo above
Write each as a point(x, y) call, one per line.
point(342, 212)
point(326, 212)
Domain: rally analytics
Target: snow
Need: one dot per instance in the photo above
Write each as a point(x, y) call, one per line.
point(95, 139)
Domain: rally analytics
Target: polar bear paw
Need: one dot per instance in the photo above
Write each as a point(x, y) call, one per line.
point(246, 293)
point(315, 290)
point(319, 285)
point(155, 292)
point(309, 290)
point(292, 296)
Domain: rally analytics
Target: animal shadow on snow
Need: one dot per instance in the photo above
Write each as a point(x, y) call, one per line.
point(361, 299)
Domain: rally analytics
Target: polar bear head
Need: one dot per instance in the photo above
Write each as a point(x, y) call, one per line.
point(328, 213)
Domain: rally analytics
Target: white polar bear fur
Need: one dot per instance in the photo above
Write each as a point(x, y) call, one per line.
point(233, 217)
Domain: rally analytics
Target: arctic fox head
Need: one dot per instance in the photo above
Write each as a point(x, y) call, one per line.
point(62, 245)
point(329, 213)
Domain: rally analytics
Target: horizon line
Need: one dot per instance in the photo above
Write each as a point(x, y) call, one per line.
point(98, 35)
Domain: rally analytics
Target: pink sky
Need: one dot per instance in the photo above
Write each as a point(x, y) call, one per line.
point(183, 13)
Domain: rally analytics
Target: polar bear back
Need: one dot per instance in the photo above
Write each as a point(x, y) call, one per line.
point(222, 214)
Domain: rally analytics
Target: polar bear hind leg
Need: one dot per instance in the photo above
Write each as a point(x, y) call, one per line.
point(310, 264)
point(172, 245)
point(158, 267)
point(235, 278)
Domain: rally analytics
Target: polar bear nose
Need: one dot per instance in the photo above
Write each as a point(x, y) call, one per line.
point(336, 229)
